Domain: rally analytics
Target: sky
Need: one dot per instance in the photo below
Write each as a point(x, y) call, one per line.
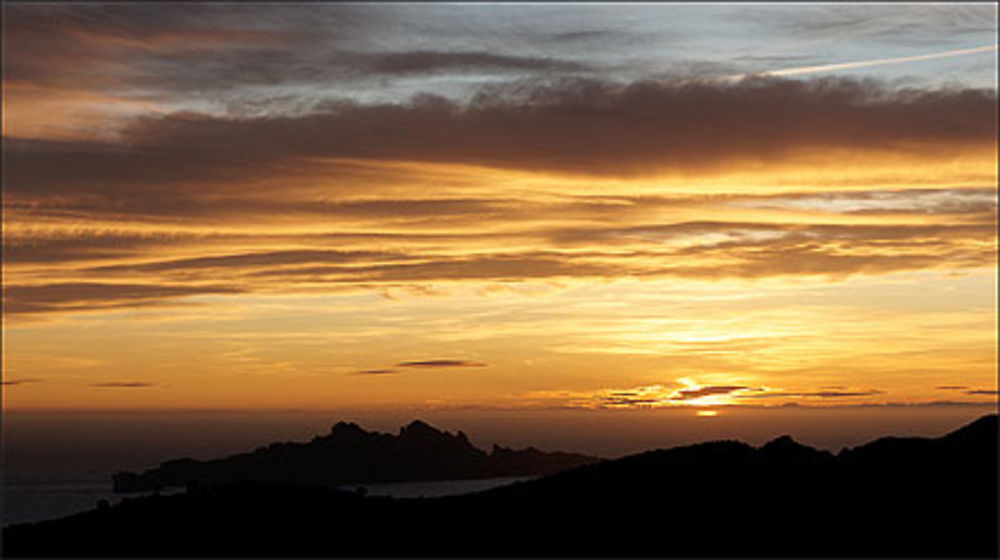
point(499, 207)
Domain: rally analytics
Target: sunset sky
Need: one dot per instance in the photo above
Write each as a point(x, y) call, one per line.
point(481, 206)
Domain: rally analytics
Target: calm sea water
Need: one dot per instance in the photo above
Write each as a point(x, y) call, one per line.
point(29, 502)
point(26, 502)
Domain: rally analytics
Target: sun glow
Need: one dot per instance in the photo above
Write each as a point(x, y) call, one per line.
point(707, 413)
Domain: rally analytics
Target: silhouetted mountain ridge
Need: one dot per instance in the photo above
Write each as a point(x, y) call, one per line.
point(349, 454)
point(890, 497)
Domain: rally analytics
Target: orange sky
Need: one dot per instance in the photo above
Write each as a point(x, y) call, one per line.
point(656, 241)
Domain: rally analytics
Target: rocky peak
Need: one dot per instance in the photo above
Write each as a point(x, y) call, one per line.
point(344, 432)
point(786, 448)
point(346, 427)
point(419, 428)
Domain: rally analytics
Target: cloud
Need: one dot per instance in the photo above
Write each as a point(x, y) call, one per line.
point(25, 381)
point(485, 267)
point(358, 169)
point(108, 34)
point(86, 296)
point(375, 372)
point(624, 402)
point(929, 404)
point(688, 394)
point(982, 392)
point(423, 61)
point(756, 234)
point(253, 46)
point(264, 259)
point(245, 264)
point(951, 387)
point(756, 250)
point(431, 364)
point(83, 245)
point(587, 35)
point(974, 201)
point(920, 25)
point(815, 394)
point(638, 129)
point(124, 384)
point(657, 396)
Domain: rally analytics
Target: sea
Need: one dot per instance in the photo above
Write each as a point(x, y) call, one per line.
point(28, 502)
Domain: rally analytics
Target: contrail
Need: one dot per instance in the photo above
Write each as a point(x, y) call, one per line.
point(863, 63)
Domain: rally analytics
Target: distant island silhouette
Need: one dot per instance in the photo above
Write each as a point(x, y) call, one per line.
point(349, 454)
point(891, 497)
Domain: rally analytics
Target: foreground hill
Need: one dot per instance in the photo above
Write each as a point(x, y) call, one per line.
point(893, 496)
point(349, 454)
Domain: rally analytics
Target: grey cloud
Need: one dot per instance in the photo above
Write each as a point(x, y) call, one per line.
point(310, 71)
point(149, 36)
point(773, 58)
point(915, 24)
point(434, 61)
point(216, 52)
point(585, 35)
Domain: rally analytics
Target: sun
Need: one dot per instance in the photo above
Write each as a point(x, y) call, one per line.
point(707, 413)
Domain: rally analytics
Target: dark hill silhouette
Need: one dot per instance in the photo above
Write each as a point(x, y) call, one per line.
point(891, 497)
point(349, 454)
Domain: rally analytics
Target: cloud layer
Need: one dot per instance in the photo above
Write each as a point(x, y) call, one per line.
point(312, 203)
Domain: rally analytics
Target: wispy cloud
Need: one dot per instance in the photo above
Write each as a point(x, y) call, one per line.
point(811, 394)
point(441, 363)
point(124, 384)
point(90, 296)
point(13, 382)
point(688, 394)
